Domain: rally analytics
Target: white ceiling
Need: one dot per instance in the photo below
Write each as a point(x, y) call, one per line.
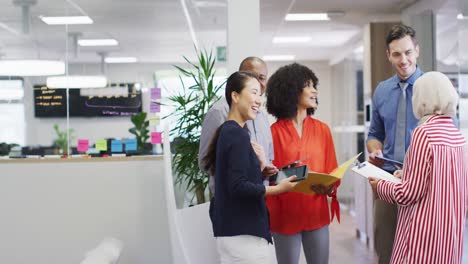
point(157, 31)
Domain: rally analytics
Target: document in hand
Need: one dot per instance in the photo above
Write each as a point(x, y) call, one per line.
point(316, 178)
point(367, 170)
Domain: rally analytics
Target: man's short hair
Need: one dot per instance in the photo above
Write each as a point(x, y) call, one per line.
point(398, 32)
point(249, 60)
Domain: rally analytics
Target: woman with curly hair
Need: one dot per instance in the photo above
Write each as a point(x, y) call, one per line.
point(297, 218)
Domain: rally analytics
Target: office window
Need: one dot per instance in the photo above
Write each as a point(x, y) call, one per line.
point(13, 123)
point(12, 120)
point(171, 86)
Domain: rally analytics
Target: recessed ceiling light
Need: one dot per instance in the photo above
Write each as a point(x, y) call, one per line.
point(278, 40)
point(66, 20)
point(307, 17)
point(279, 57)
point(120, 59)
point(97, 42)
point(209, 4)
point(461, 16)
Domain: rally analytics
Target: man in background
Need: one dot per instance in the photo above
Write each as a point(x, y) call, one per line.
point(259, 128)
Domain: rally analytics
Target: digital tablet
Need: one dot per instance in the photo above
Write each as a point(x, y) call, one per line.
point(300, 171)
point(390, 160)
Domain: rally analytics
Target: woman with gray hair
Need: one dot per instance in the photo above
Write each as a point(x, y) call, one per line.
point(432, 195)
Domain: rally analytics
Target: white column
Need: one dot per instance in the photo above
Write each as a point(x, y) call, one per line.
point(243, 31)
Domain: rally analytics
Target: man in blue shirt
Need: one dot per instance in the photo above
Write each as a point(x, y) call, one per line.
point(391, 126)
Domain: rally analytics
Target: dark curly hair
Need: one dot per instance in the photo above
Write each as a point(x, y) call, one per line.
point(284, 89)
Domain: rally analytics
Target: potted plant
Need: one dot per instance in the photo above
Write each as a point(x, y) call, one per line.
point(140, 130)
point(191, 105)
point(61, 140)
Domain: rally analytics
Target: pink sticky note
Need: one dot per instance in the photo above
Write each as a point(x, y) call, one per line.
point(83, 145)
point(155, 93)
point(156, 138)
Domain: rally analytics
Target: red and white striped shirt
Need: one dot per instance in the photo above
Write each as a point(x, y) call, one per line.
point(432, 196)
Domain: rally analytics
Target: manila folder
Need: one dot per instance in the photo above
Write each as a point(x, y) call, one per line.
point(316, 178)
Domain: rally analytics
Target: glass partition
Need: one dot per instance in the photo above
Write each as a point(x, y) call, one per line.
point(452, 53)
point(462, 38)
point(36, 113)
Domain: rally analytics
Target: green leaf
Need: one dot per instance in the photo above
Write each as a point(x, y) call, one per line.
point(191, 105)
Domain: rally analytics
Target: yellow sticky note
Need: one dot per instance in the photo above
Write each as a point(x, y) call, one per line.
point(154, 120)
point(101, 144)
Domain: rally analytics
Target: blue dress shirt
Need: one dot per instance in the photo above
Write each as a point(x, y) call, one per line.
point(384, 114)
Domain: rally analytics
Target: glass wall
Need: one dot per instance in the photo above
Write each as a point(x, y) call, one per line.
point(35, 116)
point(452, 53)
point(462, 39)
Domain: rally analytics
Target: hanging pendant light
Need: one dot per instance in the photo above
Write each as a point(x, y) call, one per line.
point(77, 81)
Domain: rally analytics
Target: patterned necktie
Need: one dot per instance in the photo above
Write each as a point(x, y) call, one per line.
point(400, 127)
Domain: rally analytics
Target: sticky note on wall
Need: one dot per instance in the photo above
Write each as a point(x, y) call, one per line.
point(155, 107)
point(130, 144)
point(116, 145)
point(101, 145)
point(154, 120)
point(83, 145)
point(156, 138)
point(155, 93)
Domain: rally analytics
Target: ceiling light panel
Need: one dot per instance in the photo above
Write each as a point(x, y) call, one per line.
point(66, 20)
point(332, 38)
point(307, 17)
point(120, 59)
point(77, 81)
point(279, 57)
point(97, 42)
point(280, 40)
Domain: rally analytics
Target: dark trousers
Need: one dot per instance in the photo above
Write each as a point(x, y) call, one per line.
point(385, 222)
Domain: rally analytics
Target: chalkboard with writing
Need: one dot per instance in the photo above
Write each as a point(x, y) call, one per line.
point(124, 100)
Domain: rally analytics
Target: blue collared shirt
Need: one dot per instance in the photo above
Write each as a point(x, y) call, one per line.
point(384, 114)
